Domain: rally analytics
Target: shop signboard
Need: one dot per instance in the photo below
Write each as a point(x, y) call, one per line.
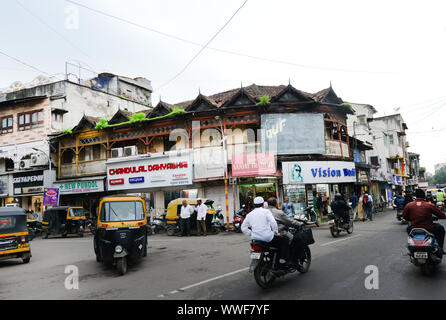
point(28, 182)
point(397, 180)
point(293, 133)
point(80, 186)
point(255, 164)
point(144, 172)
point(315, 172)
point(51, 197)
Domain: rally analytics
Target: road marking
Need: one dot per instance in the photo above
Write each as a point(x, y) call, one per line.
point(328, 243)
point(204, 282)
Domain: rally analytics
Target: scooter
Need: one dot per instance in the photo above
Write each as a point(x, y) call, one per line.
point(309, 216)
point(423, 250)
point(239, 217)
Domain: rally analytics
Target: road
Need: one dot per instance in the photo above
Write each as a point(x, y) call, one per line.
point(215, 267)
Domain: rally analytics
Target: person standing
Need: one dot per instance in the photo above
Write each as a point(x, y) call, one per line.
point(288, 207)
point(367, 204)
point(354, 200)
point(319, 204)
point(201, 217)
point(186, 212)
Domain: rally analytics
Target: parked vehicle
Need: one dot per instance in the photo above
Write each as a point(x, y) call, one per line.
point(158, 225)
point(121, 234)
point(239, 217)
point(173, 215)
point(14, 242)
point(33, 225)
point(265, 259)
point(337, 225)
point(423, 250)
point(309, 216)
point(63, 221)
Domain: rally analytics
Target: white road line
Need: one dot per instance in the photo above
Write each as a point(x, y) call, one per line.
point(328, 243)
point(205, 281)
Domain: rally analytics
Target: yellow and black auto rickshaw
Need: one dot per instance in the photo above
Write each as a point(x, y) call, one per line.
point(63, 221)
point(121, 234)
point(213, 217)
point(14, 235)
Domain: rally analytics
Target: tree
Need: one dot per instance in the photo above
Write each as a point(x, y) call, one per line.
point(440, 176)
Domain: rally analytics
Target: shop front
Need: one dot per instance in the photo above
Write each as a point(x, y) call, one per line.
point(28, 190)
point(83, 192)
point(304, 180)
point(256, 176)
point(160, 176)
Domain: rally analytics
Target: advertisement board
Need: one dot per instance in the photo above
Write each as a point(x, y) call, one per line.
point(149, 172)
point(51, 197)
point(293, 133)
point(255, 164)
point(28, 182)
point(81, 186)
point(315, 172)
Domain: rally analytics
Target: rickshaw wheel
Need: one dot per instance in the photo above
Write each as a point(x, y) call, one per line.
point(26, 260)
point(121, 265)
point(64, 235)
point(81, 234)
point(44, 235)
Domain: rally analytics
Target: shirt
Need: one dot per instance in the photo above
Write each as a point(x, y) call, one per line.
point(288, 208)
point(440, 196)
point(202, 211)
point(262, 223)
point(419, 213)
point(354, 200)
point(186, 211)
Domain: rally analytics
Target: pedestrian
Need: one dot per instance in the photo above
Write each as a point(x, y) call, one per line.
point(354, 200)
point(201, 217)
point(186, 212)
point(367, 204)
point(325, 201)
point(319, 204)
point(408, 199)
point(288, 207)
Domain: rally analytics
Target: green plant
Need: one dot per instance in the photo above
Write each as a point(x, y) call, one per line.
point(102, 124)
point(263, 101)
point(68, 131)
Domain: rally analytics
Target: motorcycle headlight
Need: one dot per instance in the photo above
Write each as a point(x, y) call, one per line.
point(118, 249)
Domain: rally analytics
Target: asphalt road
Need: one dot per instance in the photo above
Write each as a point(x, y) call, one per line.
point(215, 267)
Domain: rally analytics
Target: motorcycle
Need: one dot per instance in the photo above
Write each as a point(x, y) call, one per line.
point(239, 217)
point(265, 259)
point(158, 225)
point(218, 221)
point(310, 216)
point(440, 205)
point(337, 225)
point(423, 250)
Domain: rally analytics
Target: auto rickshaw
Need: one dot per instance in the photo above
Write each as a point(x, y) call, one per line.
point(14, 234)
point(63, 220)
point(213, 217)
point(121, 233)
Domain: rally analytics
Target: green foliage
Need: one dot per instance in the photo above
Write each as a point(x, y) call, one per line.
point(264, 101)
point(440, 176)
point(137, 117)
point(68, 131)
point(102, 124)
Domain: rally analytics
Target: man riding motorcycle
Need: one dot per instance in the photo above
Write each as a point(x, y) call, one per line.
point(284, 223)
point(341, 209)
point(419, 213)
point(399, 203)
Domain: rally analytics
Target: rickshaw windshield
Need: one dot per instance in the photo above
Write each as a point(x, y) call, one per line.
point(77, 212)
point(122, 211)
point(11, 224)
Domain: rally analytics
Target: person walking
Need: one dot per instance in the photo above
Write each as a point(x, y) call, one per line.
point(186, 212)
point(367, 203)
point(201, 217)
point(319, 204)
point(354, 200)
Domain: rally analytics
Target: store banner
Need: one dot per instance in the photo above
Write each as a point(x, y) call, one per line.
point(293, 133)
point(314, 172)
point(255, 164)
point(164, 170)
point(84, 186)
point(28, 182)
point(51, 197)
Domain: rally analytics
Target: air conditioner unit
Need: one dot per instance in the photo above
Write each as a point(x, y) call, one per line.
point(38, 160)
point(25, 164)
point(130, 151)
point(116, 153)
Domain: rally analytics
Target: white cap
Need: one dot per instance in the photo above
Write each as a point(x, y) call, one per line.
point(258, 200)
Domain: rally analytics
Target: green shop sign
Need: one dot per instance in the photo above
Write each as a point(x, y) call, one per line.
point(87, 186)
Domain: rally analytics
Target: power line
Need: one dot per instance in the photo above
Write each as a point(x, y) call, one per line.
point(201, 50)
point(222, 50)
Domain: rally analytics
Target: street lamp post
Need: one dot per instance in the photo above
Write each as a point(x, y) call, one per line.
point(225, 164)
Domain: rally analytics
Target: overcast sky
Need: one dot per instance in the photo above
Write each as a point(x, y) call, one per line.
point(390, 54)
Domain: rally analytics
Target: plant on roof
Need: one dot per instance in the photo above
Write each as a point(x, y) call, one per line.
point(102, 124)
point(264, 100)
point(137, 117)
point(68, 131)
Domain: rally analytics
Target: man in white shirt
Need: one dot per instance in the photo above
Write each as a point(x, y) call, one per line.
point(260, 224)
point(186, 212)
point(201, 217)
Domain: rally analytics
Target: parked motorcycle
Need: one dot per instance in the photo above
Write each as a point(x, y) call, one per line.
point(309, 216)
point(265, 259)
point(337, 225)
point(239, 217)
point(218, 221)
point(423, 250)
point(158, 224)
point(34, 229)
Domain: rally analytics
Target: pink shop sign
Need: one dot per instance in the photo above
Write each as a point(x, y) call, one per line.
point(253, 164)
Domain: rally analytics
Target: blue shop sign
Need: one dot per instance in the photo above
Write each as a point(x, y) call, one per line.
point(136, 180)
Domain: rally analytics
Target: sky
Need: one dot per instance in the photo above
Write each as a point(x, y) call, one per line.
point(390, 54)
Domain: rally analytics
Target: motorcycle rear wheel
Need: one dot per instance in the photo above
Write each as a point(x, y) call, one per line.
point(304, 264)
point(334, 232)
point(350, 229)
point(263, 275)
